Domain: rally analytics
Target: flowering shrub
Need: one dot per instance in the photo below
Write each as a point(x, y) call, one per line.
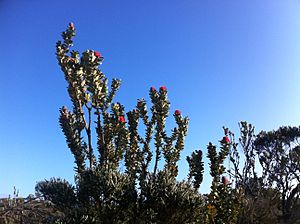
point(126, 162)
point(147, 191)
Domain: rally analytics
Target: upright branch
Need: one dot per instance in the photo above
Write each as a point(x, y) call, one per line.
point(91, 98)
point(160, 111)
point(223, 201)
point(247, 176)
point(196, 168)
point(139, 153)
point(93, 107)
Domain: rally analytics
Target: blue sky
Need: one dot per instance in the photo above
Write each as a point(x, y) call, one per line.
point(222, 62)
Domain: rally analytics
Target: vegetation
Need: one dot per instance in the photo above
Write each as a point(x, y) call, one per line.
point(27, 210)
point(126, 162)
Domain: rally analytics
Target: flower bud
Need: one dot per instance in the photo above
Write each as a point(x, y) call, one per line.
point(177, 112)
point(97, 54)
point(163, 88)
point(226, 139)
point(71, 25)
point(225, 180)
point(122, 119)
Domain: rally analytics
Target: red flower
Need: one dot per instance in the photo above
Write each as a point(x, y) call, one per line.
point(225, 180)
point(122, 119)
point(152, 89)
point(97, 54)
point(177, 112)
point(227, 139)
point(71, 25)
point(163, 88)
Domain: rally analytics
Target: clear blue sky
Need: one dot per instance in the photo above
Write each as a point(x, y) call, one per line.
point(222, 62)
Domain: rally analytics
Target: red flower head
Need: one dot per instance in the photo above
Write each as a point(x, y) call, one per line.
point(177, 112)
point(226, 138)
point(71, 25)
point(97, 54)
point(163, 88)
point(152, 89)
point(122, 119)
point(225, 180)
